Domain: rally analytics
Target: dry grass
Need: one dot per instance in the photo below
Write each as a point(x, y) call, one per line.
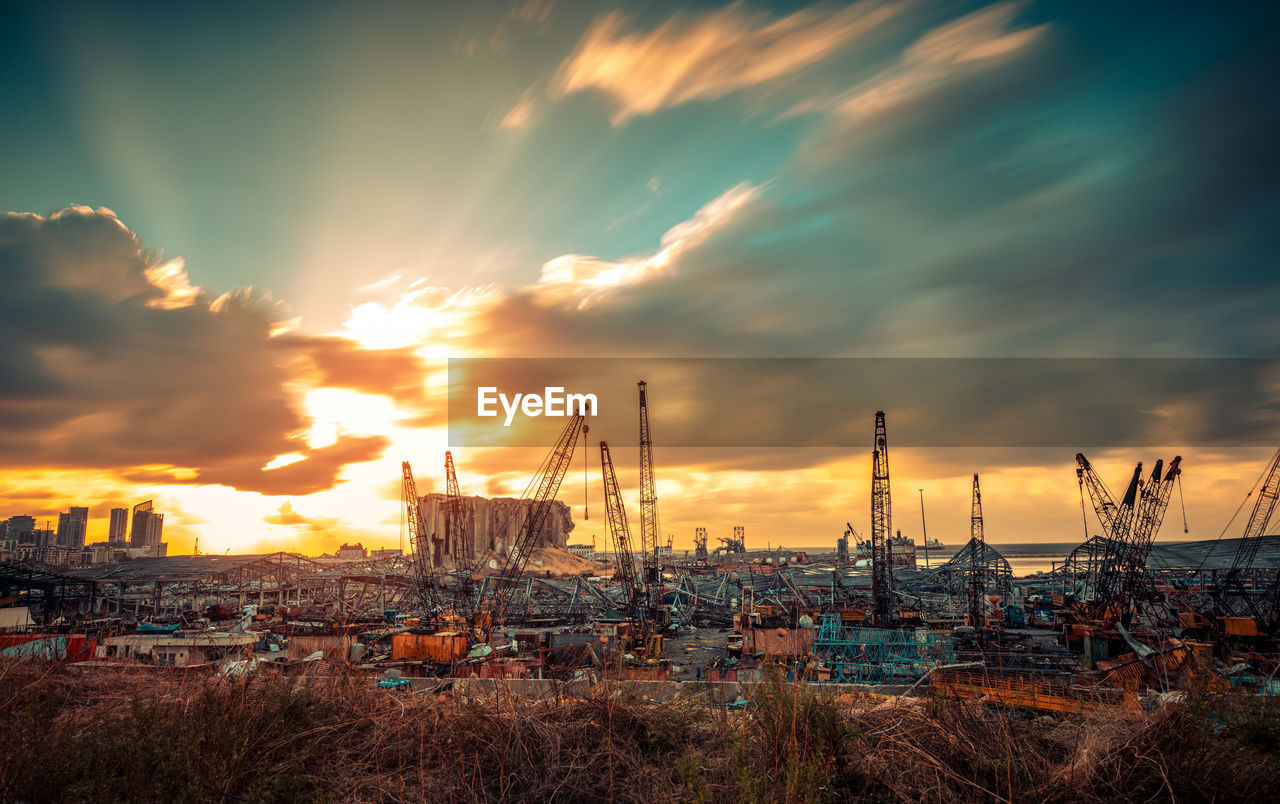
point(70, 736)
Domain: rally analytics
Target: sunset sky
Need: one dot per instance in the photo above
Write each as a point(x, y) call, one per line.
point(244, 239)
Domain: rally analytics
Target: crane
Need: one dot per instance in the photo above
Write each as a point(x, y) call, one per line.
point(977, 557)
point(859, 542)
point(1117, 522)
point(1151, 509)
point(619, 530)
point(1254, 529)
point(881, 525)
point(648, 498)
point(700, 545)
point(550, 476)
point(457, 542)
point(422, 566)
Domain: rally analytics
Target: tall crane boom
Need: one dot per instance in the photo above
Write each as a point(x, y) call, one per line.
point(1117, 521)
point(881, 524)
point(551, 475)
point(1151, 509)
point(648, 495)
point(1263, 507)
point(1254, 529)
point(422, 565)
point(619, 530)
point(977, 558)
point(457, 541)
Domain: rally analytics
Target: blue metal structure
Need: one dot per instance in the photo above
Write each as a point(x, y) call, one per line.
point(878, 655)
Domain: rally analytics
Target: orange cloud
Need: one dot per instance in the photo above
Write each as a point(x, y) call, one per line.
point(582, 280)
point(114, 360)
point(288, 516)
point(977, 41)
point(707, 56)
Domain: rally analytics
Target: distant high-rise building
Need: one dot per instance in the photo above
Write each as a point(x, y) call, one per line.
point(119, 526)
point(22, 529)
point(72, 527)
point(44, 538)
point(147, 526)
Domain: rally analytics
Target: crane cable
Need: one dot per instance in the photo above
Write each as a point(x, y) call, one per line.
point(1183, 501)
point(1084, 517)
point(1232, 519)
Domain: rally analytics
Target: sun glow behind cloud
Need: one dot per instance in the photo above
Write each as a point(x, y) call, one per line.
point(935, 153)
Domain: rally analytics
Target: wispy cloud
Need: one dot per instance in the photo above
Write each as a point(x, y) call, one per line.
point(981, 40)
point(381, 284)
point(519, 116)
point(654, 186)
point(582, 280)
point(709, 55)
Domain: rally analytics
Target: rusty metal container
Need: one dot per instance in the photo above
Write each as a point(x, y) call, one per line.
point(444, 647)
point(1239, 626)
point(778, 641)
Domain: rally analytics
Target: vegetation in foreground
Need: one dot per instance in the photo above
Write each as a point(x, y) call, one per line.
point(68, 735)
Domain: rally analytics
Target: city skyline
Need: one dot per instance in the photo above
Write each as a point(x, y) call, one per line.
point(235, 275)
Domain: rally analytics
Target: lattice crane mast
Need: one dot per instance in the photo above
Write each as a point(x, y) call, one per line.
point(458, 542)
point(422, 565)
point(619, 530)
point(977, 558)
point(1117, 523)
point(1254, 529)
point(550, 476)
point(648, 498)
point(881, 525)
point(1151, 509)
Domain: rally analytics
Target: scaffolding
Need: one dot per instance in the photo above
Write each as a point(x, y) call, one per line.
point(878, 655)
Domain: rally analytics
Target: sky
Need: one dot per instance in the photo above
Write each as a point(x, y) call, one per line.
point(243, 240)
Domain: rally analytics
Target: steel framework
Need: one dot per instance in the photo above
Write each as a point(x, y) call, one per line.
point(878, 655)
point(881, 525)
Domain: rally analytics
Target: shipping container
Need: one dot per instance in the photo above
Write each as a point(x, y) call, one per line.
point(444, 647)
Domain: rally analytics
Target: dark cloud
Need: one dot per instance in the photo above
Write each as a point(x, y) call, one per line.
point(933, 402)
point(1063, 198)
point(340, 363)
point(111, 360)
point(1034, 205)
